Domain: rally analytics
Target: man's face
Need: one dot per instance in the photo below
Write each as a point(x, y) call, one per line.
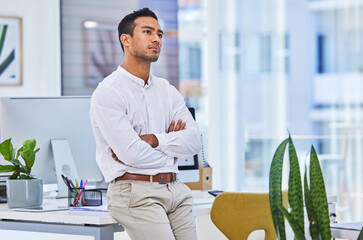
point(146, 42)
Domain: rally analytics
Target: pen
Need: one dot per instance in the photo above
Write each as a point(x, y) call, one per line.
point(71, 183)
point(67, 183)
point(84, 187)
point(85, 182)
point(76, 195)
point(80, 193)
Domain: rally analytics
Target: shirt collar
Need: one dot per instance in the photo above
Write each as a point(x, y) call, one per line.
point(137, 80)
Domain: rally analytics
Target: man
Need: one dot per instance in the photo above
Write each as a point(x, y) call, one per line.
point(141, 126)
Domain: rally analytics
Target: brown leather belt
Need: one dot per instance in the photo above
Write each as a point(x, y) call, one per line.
point(160, 178)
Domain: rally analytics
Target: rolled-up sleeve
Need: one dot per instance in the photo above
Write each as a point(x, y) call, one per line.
point(108, 112)
point(181, 143)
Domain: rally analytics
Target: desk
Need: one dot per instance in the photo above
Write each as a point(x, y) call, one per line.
point(100, 225)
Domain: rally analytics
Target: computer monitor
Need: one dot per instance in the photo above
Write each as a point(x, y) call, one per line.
point(62, 128)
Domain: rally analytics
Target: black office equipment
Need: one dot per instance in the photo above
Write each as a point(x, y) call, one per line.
point(215, 192)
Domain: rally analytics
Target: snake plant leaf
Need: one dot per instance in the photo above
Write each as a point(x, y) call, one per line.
point(295, 189)
point(275, 191)
point(6, 168)
point(295, 225)
point(318, 193)
point(2, 37)
point(360, 237)
point(7, 150)
point(313, 228)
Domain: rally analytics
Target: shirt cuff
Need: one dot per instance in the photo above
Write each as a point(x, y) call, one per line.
point(161, 139)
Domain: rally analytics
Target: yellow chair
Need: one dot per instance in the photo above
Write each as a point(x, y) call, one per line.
point(236, 215)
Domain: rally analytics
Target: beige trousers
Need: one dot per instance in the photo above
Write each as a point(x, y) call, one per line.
point(149, 210)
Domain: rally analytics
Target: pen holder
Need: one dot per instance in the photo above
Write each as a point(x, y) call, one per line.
point(76, 197)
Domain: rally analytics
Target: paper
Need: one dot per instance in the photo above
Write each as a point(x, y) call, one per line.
point(102, 208)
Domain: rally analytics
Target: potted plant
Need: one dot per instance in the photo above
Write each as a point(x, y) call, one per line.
point(22, 188)
point(314, 195)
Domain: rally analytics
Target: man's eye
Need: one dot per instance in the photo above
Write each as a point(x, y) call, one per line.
point(147, 31)
point(160, 35)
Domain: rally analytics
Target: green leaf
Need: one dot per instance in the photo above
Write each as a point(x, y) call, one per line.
point(18, 153)
point(7, 149)
point(16, 162)
point(2, 37)
point(28, 153)
point(29, 144)
point(24, 169)
point(295, 225)
point(7, 61)
point(295, 189)
point(14, 175)
point(24, 176)
point(360, 237)
point(318, 196)
point(6, 168)
point(29, 158)
point(313, 228)
point(275, 191)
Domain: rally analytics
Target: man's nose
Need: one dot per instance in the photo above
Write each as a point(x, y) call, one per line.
point(156, 38)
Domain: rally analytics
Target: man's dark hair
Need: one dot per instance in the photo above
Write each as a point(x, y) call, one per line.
point(127, 24)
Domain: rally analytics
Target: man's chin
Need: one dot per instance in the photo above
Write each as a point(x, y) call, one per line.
point(148, 58)
point(155, 59)
point(152, 58)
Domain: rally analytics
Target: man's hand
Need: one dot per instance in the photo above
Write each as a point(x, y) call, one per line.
point(115, 157)
point(180, 125)
point(153, 140)
point(150, 139)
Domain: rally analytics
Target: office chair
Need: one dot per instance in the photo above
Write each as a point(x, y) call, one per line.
point(236, 215)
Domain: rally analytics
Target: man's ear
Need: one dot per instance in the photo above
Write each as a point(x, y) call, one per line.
point(125, 39)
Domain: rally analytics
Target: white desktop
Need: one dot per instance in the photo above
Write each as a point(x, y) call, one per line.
point(62, 129)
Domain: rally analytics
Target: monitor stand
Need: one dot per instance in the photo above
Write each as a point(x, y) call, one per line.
point(64, 164)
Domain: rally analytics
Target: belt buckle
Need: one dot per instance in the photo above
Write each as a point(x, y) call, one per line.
point(161, 182)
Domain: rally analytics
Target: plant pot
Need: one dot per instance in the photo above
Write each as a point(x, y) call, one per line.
point(24, 192)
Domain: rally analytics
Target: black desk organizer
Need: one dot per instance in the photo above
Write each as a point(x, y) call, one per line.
point(91, 197)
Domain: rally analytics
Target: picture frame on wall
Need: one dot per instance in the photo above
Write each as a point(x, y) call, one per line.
point(10, 51)
point(102, 51)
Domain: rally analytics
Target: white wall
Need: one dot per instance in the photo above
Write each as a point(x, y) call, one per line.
point(41, 47)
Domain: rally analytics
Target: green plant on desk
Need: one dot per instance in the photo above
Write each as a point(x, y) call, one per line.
point(27, 152)
point(22, 188)
point(314, 191)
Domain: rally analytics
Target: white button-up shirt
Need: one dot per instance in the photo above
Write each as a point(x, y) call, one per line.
point(123, 108)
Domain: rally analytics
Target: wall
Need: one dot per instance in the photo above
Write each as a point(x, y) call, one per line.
point(40, 44)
